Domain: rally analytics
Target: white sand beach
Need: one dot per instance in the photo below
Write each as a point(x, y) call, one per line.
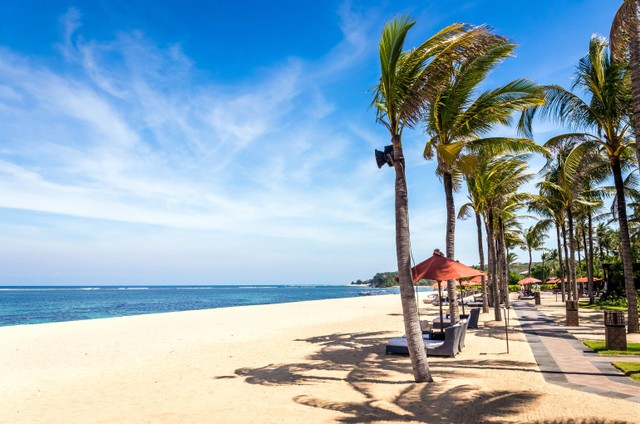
point(312, 362)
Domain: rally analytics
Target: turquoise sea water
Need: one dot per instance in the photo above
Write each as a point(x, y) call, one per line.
point(33, 305)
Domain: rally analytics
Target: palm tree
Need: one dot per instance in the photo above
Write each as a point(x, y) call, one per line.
point(455, 120)
point(571, 192)
point(397, 100)
point(465, 211)
point(559, 191)
point(546, 256)
point(549, 205)
point(533, 238)
point(507, 232)
point(625, 46)
point(606, 121)
point(493, 179)
point(554, 259)
point(606, 240)
point(409, 79)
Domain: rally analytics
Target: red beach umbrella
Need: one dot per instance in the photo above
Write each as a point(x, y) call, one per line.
point(529, 280)
point(471, 282)
point(440, 268)
point(586, 280)
point(475, 280)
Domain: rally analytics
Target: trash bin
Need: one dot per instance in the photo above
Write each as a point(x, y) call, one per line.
point(615, 333)
point(572, 313)
point(536, 298)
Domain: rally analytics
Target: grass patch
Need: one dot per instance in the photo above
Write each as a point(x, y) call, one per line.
point(601, 348)
point(596, 306)
point(631, 369)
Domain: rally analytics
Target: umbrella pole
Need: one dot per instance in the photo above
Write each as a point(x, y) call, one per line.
point(440, 295)
point(462, 298)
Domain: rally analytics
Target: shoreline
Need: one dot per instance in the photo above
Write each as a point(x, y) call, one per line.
point(310, 361)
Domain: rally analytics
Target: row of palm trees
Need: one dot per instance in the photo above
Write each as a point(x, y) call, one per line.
point(597, 149)
point(435, 85)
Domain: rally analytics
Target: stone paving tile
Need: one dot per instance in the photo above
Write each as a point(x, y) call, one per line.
point(564, 360)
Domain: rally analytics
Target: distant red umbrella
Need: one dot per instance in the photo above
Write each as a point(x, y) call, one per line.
point(556, 281)
point(475, 280)
point(586, 280)
point(467, 283)
point(529, 280)
point(440, 268)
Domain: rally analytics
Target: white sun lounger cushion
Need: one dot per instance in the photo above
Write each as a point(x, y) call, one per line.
point(402, 341)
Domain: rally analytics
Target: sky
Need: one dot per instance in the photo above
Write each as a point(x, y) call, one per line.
point(192, 142)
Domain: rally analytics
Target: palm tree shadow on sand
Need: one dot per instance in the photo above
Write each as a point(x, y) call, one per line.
point(359, 361)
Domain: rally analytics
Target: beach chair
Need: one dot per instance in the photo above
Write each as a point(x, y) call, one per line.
point(448, 347)
point(451, 344)
point(474, 315)
point(463, 332)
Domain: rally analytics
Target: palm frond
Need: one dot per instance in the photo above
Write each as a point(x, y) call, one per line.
point(494, 146)
point(465, 211)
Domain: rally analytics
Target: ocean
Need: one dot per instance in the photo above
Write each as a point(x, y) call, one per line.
point(35, 305)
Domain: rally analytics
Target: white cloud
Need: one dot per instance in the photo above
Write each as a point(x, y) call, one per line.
point(129, 136)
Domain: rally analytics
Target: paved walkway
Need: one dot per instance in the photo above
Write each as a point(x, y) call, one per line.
point(565, 361)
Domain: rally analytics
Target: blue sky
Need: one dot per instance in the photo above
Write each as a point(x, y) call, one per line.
point(228, 142)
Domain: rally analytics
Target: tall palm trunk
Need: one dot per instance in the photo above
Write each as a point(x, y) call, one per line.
point(450, 242)
point(485, 301)
point(625, 247)
point(560, 264)
point(412, 328)
point(566, 259)
point(578, 251)
point(586, 253)
point(604, 270)
point(572, 254)
point(491, 249)
point(590, 261)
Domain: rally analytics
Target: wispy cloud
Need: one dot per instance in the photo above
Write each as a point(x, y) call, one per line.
point(124, 130)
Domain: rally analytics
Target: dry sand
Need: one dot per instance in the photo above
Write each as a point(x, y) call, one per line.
point(307, 362)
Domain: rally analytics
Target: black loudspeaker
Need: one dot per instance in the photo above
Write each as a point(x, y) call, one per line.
point(384, 157)
point(380, 158)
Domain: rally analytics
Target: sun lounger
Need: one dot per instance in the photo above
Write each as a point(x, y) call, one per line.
point(474, 315)
point(525, 297)
point(449, 347)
